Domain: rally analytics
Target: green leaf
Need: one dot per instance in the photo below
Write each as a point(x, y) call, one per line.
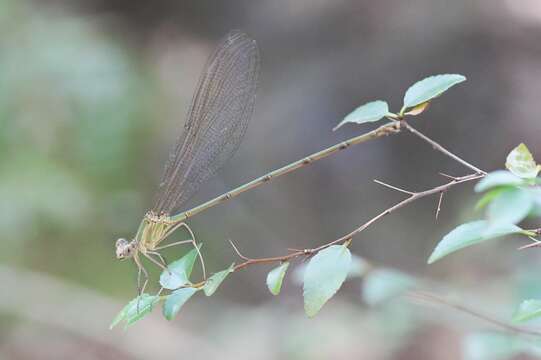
point(136, 309)
point(510, 206)
point(369, 112)
point(179, 271)
point(216, 280)
point(521, 163)
point(381, 285)
point(527, 310)
point(469, 234)
point(358, 268)
point(176, 300)
point(489, 196)
point(536, 208)
point(429, 88)
point(496, 179)
point(275, 278)
point(324, 275)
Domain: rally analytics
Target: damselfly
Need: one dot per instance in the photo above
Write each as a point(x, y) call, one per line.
point(217, 120)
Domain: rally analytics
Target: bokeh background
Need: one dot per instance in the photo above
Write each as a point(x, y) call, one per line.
point(93, 92)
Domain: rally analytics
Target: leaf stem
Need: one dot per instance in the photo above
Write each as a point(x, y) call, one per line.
point(441, 149)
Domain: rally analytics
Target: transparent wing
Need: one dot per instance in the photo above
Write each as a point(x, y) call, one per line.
point(217, 120)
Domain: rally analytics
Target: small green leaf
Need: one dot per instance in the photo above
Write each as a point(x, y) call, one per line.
point(145, 307)
point(510, 206)
point(496, 179)
point(216, 280)
point(429, 88)
point(136, 309)
point(469, 234)
point(324, 275)
point(275, 278)
point(179, 271)
point(369, 112)
point(527, 310)
point(521, 163)
point(176, 300)
point(381, 285)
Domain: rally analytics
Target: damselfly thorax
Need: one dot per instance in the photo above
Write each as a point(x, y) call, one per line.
point(154, 229)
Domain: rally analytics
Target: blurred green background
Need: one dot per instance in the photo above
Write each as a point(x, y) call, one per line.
point(93, 93)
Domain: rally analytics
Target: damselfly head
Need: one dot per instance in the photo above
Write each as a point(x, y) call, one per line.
point(124, 249)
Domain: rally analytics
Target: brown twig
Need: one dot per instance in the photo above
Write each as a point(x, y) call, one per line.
point(237, 251)
point(441, 149)
point(413, 197)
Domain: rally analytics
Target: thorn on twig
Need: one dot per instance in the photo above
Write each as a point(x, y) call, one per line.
point(294, 250)
point(393, 187)
point(238, 252)
point(449, 176)
point(439, 204)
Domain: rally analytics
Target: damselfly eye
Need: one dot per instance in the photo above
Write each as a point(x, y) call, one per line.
point(121, 242)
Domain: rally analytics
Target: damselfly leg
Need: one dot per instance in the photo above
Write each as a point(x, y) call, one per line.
point(196, 249)
point(140, 270)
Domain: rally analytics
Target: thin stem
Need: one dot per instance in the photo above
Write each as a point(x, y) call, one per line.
point(173, 244)
point(238, 252)
point(387, 129)
point(439, 300)
point(441, 149)
point(438, 209)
